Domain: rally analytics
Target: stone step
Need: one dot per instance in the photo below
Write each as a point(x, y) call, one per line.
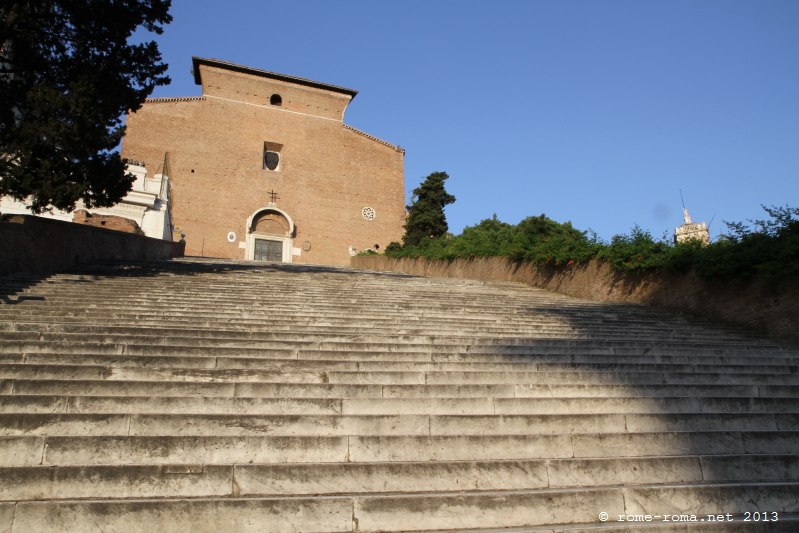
point(279, 325)
point(534, 325)
point(18, 403)
point(195, 423)
point(285, 361)
point(94, 372)
point(182, 480)
point(161, 449)
point(410, 512)
point(35, 305)
point(256, 340)
point(215, 396)
point(322, 390)
point(81, 354)
point(491, 337)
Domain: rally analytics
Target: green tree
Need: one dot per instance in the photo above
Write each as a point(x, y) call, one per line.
point(546, 241)
point(67, 76)
point(426, 218)
point(491, 237)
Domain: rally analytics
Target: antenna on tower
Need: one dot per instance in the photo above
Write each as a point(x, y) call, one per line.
point(685, 215)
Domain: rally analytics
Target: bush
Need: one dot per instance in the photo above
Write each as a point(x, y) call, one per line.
point(636, 252)
point(393, 247)
point(768, 249)
point(488, 238)
point(544, 241)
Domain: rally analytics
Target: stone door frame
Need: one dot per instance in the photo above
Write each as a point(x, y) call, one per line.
point(287, 240)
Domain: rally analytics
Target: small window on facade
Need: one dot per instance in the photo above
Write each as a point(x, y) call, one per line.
point(272, 156)
point(276, 100)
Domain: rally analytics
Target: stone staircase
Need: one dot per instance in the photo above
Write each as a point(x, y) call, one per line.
point(201, 395)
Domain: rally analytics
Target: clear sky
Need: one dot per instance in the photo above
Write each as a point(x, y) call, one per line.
point(592, 111)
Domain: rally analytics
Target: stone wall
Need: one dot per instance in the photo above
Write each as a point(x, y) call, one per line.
point(773, 311)
point(37, 245)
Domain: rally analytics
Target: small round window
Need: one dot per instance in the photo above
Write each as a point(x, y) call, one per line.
point(368, 213)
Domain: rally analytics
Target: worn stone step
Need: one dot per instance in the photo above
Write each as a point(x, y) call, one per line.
point(76, 450)
point(165, 404)
point(399, 360)
point(17, 326)
point(398, 345)
point(182, 480)
point(215, 389)
point(356, 361)
point(217, 395)
point(93, 372)
point(321, 390)
point(426, 512)
point(169, 515)
point(174, 420)
point(388, 406)
point(324, 324)
point(522, 508)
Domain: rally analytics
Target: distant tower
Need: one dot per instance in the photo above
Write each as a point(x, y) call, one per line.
point(691, 230)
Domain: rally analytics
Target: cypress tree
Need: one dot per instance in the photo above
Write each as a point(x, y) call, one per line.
point(67, 77)
point(426, 218)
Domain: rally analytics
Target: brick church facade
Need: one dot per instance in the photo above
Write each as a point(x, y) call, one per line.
point(262, 166)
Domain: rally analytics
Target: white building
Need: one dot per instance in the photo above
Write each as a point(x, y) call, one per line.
point(691, 231)
point(147, 204)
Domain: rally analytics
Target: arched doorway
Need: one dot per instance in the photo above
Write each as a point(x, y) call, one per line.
point(270, 233)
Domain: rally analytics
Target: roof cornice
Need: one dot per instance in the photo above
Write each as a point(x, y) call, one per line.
point(197, 61)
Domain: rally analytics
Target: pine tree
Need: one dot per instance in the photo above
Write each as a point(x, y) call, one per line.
point(67, 76)
point(426, 218)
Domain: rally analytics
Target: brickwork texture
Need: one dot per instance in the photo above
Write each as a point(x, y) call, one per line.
point(328, 172)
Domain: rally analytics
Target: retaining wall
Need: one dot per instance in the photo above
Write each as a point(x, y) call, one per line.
point(39, 245)
point(769, 310)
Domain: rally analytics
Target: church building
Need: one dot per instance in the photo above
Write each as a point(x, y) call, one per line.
point(262, 166)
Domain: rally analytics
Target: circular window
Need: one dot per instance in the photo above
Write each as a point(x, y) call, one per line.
point(368, 213)
point(231, 237)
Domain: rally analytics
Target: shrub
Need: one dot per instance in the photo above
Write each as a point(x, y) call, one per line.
point(767, 249)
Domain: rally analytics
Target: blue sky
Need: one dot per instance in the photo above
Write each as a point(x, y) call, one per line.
point(596, 112)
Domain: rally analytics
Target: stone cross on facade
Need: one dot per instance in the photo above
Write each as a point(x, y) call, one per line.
point(273, 197)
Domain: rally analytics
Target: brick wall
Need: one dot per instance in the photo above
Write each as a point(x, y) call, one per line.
point(112, 222)
point(328, 172)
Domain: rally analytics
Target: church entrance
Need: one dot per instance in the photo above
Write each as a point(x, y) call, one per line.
point(268, 250)
point(270, 233)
